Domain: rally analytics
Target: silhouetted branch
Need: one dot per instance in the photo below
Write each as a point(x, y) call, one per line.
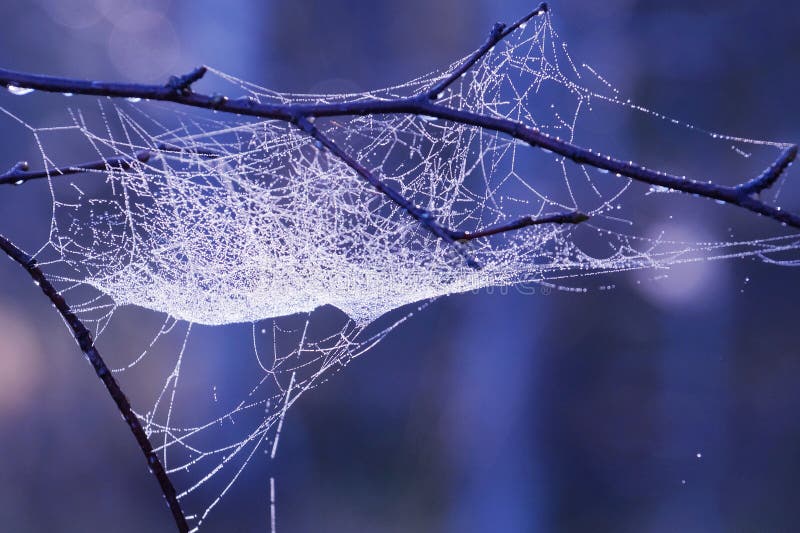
point(417, 105)
point(183, 84)
point(86, 344)
point(19, 173)
point(771, 173)
point(574, 217)
point(498, 33)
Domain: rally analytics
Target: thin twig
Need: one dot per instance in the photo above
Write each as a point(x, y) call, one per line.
point(574, 217)
point(86, 344)
point(183, 84)
point(498, 32)
point(771, 173)
point(423, 216)
point(20, 174)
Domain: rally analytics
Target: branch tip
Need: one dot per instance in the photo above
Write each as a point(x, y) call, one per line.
point(182, 85)
point(771, 174)
point(19, 166)
point(498, 32)
point(541, 10)
point(577, 217)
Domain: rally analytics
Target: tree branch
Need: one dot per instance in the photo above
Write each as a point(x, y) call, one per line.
point(183, 84)
point(423, 216)
point(573, 217)
point(771, 173)
point(417, 105)
point(86, 344)
point(498, 32)
point(19, 173)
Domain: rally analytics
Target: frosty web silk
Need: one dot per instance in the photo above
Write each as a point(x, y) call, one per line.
point(239, 220)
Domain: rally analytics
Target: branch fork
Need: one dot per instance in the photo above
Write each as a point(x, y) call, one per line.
point(182, 85)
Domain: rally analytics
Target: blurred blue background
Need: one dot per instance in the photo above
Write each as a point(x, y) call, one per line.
point(667, 404)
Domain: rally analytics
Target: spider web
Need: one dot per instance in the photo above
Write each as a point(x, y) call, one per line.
point(248, 225)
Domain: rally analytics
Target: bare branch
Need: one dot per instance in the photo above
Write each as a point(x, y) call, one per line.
point(183, 84)
point(573, 217)
point(20, 174)
point(86, 344)
point(418, 105)
point(771, 173)
point(498, 32)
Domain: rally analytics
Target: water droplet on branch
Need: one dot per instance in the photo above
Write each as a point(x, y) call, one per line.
point(19, 91)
